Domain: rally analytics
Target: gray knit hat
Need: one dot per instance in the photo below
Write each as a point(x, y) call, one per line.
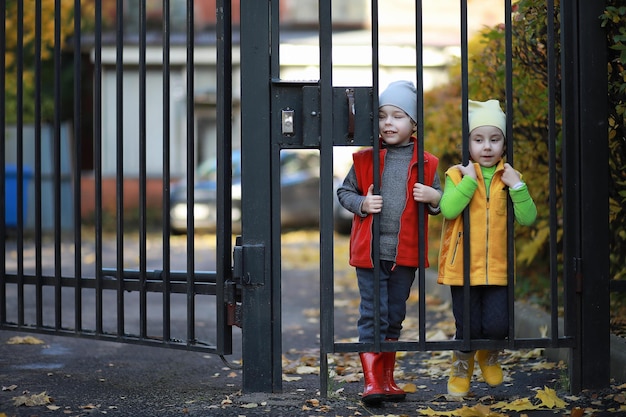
point(401, 94)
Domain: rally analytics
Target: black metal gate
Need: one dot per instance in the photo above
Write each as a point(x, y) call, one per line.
point(324, 115)
point(101, 280)
point(110, 274)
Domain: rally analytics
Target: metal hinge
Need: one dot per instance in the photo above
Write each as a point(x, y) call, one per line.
point(233, 304)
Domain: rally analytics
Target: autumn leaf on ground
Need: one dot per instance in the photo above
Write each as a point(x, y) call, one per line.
point(313, 402)
point(430, 412)
point(24, 340)
point(307, 370)
point(409, 388)
point(9, 388)
point(521, 404)
point(549, 399)
point(353, 377)
point(478, 410)
point(32, 400)
point(543, 365)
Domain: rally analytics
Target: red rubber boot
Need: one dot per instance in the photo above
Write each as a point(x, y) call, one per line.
point(392, 391)
point(373, 393)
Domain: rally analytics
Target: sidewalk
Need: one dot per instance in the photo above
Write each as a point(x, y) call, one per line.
point(84, 377)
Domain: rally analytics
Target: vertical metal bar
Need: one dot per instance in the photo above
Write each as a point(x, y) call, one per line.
point(594, 265)
point(571, 194)
point(419, 71)
point(259, 366)
point(77, 168)
point(119, 169)
point(466, 160)
point(58, 301)
point(376, 180)
point(166, 172)
point(326, 157)
point(190, 173)
point(97, 157)
point(224, 163)
point(20, 162)
point(552, 82)
point(143, 315)
point(3, 288)
point(510, 231)
point(275, 293)
point(37, 171)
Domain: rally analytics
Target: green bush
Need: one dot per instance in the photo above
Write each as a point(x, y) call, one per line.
point(614, 20)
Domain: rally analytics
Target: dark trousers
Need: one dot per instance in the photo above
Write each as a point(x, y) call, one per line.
point(489, 311)
point(395, 286)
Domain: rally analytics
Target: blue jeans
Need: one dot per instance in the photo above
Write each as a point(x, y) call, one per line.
point(395, 286)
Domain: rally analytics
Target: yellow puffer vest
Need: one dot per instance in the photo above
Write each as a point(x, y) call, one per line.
point(487, 231)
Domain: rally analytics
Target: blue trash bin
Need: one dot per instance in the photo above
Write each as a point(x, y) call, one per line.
point(10, 196)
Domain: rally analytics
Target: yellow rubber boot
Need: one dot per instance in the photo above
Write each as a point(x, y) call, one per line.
point(489, 366)
point(461, 373)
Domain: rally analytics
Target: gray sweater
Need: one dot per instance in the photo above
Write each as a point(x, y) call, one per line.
point(393, 191)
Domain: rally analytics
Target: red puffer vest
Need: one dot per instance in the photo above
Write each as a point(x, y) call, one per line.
point(361, 238)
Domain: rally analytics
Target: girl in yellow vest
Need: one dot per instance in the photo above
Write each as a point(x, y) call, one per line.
point(484, 187)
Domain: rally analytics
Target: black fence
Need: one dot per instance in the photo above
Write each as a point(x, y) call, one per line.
point(148, 107)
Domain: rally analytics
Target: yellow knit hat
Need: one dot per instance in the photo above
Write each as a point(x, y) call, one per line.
point(486, 113)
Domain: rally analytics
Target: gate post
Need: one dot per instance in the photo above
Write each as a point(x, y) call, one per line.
point(261, 320)
point(586, 194)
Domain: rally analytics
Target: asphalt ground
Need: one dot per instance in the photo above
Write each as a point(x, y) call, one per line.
point(79, 377)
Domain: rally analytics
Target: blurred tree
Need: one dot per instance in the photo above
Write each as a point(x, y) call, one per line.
point(13, 46)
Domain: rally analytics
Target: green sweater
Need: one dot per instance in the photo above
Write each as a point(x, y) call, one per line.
point(456, 198)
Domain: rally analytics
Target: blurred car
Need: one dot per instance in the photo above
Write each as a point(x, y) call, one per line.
point(342, 217)
point(299, 182)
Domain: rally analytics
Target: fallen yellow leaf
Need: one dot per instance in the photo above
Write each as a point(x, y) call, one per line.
point(549, 399)
point(409, 388)
point(543, 365)
point(522, 404)
point(24, 340)
point(313, 401)
point(32, 400)
point(430, 412)
point(307, 370)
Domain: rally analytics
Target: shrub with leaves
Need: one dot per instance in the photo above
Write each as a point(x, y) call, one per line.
point(614, 20)
point(23, 52)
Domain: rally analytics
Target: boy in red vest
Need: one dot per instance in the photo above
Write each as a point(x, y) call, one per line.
point(397, 207)
point(483, 186)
